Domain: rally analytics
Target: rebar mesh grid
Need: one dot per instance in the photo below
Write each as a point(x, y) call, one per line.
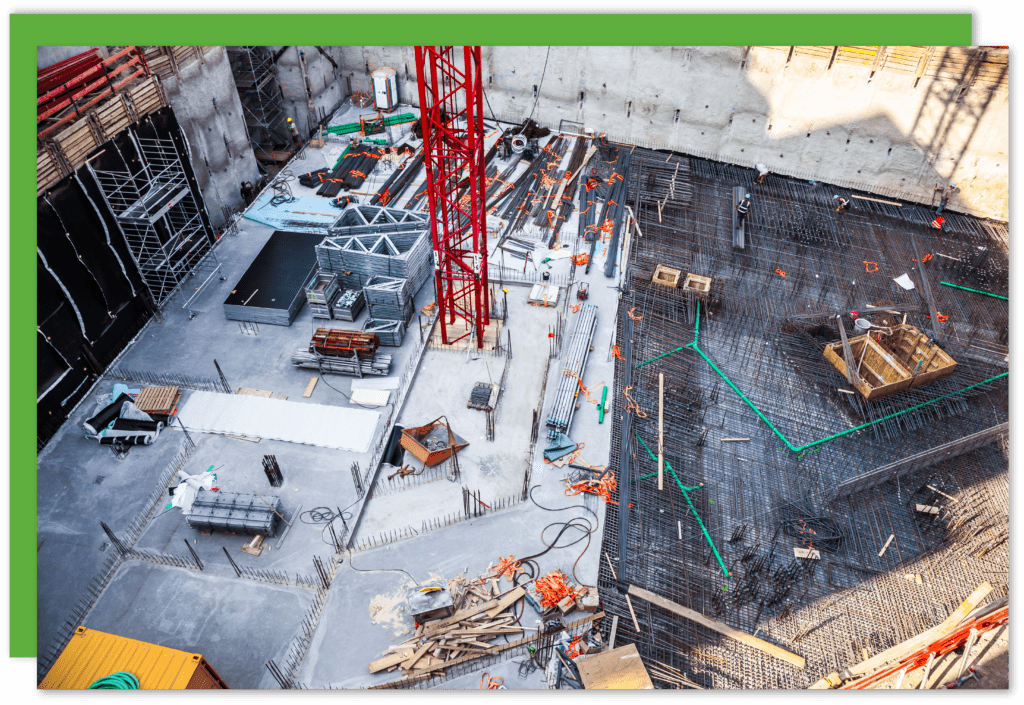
point(765, 323)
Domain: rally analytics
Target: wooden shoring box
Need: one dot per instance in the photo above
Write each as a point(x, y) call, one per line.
point(666, 276)
point(697, 285)
point(910, 361)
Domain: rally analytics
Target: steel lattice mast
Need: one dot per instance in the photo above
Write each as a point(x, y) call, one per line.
point(451, 110)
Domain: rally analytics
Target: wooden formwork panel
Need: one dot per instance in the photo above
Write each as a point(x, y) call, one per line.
point(76, 142)
point(112, 117)
point(908, 360)
point(48, 170)
point(146, 97)
point(905, 59)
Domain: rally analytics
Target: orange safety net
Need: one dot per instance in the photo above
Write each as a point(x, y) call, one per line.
point(581, 259)
point(867, 266)
point(780, 273)
point(552, 589)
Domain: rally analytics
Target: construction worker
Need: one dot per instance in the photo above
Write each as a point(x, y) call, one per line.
point(247, 192)
point(945, 197)
point(762, 171)
point(842, 204)
point(293, 131)
point(743, 207)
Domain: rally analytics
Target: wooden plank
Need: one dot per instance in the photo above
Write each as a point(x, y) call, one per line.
point(411, 661)
point(661, 431)
point(388, 661)
point(498, 648)
point(717, 626)
point(309, 387)
point(509, 599)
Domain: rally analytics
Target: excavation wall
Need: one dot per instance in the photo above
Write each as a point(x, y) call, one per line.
point(901, 121)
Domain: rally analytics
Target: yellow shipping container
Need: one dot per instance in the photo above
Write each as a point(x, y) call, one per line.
point(91, 655)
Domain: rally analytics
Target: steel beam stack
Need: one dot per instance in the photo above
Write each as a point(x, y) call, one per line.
point(234, 512)
point(560, 416)
point(356, 259)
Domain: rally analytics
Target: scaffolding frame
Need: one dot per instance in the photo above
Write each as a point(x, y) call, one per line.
point(260, 94)
point(161, 222)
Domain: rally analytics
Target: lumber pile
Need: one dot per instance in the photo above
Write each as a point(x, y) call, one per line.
point(483, 613)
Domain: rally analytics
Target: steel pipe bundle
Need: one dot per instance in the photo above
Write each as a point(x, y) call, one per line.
point(560, 416)
point(380, 365)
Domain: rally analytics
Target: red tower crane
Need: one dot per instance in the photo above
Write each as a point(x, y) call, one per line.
point(451, 112)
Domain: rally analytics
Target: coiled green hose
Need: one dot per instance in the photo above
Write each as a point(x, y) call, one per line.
point(122, 680)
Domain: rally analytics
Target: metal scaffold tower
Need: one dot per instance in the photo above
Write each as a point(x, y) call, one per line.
point(161, 222)
point(451, 100)
point(260, 93)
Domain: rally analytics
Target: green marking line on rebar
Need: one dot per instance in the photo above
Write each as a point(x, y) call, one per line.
point(798, 449)
point(976, 291)
point(693, 509)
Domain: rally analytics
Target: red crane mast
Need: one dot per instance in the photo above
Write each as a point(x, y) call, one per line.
point(451, 112)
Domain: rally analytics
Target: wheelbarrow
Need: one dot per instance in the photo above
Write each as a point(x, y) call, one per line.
point(432, 443)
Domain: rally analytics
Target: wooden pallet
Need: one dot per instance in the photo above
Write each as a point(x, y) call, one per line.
point(77, 141)
point(48, 170)
point(158, 400)
point(112, 117)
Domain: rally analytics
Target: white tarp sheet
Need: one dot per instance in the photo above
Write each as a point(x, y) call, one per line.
point(337, 427)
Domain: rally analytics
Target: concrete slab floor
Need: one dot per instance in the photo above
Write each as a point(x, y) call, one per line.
point(363, 606)
point(237, 625)
point(366, 603)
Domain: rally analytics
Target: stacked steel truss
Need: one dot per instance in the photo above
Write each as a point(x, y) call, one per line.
point(161, 222)
point(451, 100)
point(260, 92)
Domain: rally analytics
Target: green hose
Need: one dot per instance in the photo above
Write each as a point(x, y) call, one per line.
point(693, 509)
point(600, 409)
point(797, 449)
point(122, 680)
point(976, 291)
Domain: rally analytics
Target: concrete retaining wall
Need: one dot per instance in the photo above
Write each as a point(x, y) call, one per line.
point(221, 154)
point(902, 121)
point(327, 85)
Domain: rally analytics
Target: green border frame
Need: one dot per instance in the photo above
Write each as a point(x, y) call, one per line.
point(29, 30)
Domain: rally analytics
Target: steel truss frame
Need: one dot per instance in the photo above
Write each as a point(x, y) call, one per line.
point(451, 105)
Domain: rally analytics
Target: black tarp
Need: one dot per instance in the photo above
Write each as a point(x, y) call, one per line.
point(83, 247)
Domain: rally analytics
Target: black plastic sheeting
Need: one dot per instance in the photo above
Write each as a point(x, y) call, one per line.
point(83, 247)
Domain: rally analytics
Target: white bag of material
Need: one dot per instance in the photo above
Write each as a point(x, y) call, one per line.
point(904, 281)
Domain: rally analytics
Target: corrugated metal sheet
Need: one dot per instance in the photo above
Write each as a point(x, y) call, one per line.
point(91, 655)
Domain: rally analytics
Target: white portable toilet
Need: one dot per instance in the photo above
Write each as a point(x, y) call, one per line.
point(385, 89)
